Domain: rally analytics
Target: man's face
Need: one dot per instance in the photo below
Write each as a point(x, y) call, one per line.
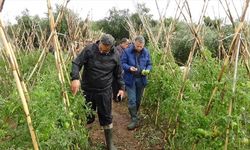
point(138, 46)
point(104, 47)
point(124, 45)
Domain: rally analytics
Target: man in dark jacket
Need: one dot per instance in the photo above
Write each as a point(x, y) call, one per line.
point(115, 85)
point(101, 66)
point(136, 65)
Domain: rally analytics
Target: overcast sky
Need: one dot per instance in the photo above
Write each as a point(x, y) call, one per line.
point(98, 9)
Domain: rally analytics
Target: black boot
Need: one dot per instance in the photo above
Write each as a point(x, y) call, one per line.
point(109, 141)
point(134, 118)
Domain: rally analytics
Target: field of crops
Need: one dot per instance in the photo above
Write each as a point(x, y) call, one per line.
point(204, 106)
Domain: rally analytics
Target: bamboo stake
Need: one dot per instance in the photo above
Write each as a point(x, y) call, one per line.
point(40, 59)
point(42, 38)
point(59, 61)
point(233, 90)
point(173, 23)
point(57, 55)
point(197, 42)
point(234, 79)
point(195, 32)
point(18, 84)
point(246, 56)
point(169, 34)
point(61, 13)
point(131, 28)
point(157, 112)
point(44, 54)
point(161, 20)
point(14, 36)
point(149, 31)
point(16, 64)
point(226, 61)
point(228, 12)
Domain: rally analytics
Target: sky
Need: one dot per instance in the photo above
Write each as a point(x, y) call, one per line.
point(98, 9)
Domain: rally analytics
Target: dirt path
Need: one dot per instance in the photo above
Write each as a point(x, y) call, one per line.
point(123, 139)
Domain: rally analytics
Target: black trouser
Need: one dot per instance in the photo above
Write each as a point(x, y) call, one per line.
point(115, 89)
point(102, 102)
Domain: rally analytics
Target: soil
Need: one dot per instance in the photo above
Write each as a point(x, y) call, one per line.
point(123, 138)
point(139, 139)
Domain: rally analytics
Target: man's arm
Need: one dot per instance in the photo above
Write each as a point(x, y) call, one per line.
point(77, 64)
point(118, 77)
point(76, 67)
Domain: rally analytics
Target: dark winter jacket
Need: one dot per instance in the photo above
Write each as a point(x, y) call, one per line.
point(99, 69)
point(119, 49)
point(129, 59)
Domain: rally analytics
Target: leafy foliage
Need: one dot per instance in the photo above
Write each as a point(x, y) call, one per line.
point(115, 24)
point(52, 123)
point(182, 43)
point(184, 121)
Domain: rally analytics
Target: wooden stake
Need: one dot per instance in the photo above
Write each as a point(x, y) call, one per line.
point(230, 107)
point(57, 54)
point(16, 75)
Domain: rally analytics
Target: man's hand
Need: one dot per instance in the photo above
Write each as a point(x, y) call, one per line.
point(133, 69)
point(145, 72)
point(120, 95)
point(75, 84)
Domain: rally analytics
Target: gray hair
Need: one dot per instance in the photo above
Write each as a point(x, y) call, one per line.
point(107, 39)
point(140, 39)
point(124, 40)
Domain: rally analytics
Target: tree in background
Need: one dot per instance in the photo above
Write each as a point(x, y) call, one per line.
point(114, 24)
point(25, 29)
point(182, 43)
point(145, 12)
point(213, 24)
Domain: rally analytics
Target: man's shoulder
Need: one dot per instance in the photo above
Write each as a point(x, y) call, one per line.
point(117, 47)
point(89, 50)
point(91, 46)
point(129, 49)
point(116, 53)
point(145, 50)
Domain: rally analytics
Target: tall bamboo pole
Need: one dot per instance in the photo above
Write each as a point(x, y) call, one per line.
point(238, 30)
point(16, 75)
point(223, 69)
point(16, 64)
point(230, 107)
point(57, 54)
point(40, 59)
point(197, 42)
point(44, 54)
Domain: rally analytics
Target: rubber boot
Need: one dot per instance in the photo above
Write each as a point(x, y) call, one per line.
point(109, 141)
point(134, 118)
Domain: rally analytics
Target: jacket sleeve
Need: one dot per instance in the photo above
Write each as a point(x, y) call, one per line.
point(148, 63)
point(77, 64)
point(124, 62)
point(118, 74)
